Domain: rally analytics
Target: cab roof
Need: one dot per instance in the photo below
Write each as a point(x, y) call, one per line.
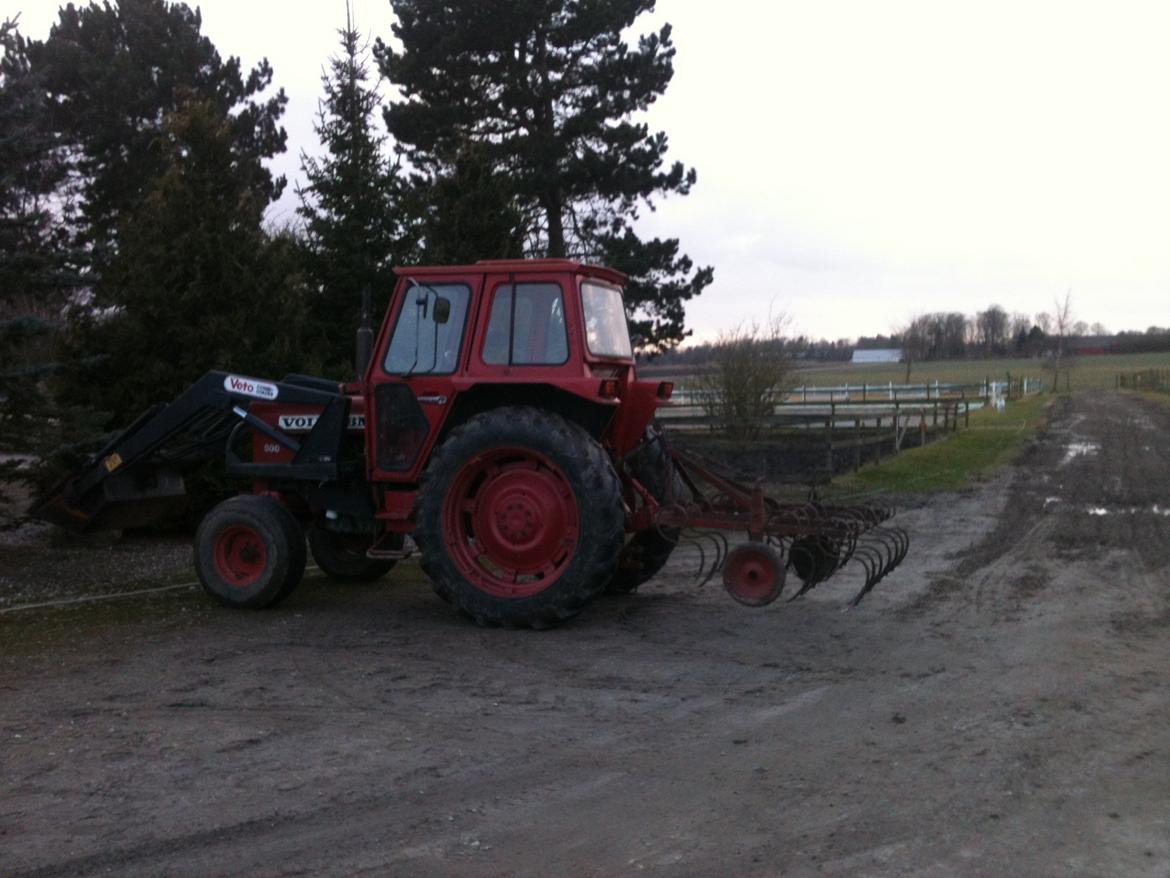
point(515, 266)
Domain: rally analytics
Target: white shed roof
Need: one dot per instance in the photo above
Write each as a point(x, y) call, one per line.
point(878, 355)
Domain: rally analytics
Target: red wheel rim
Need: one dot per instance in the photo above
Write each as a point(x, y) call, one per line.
point(510, 521)
point(753, 575)
point(240, 555)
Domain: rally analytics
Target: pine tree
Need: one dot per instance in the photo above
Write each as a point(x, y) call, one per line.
point(36, 278)
point(113, 73)
point(548, 90)
point(196, 283)
point(468, 211)
point(352, 204)
point(32, 169)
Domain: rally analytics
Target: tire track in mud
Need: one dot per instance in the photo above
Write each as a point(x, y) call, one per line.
point(1086, 491)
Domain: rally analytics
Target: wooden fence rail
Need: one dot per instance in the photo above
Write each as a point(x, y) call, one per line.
point(1146, 379)
point(845, 426)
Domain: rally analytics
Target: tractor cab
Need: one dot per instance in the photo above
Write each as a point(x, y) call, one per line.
point(458, 340)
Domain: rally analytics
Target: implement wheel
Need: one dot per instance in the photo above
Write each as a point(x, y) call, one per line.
point(754, 574)
point(343, 556)
point(249, 552)
point(519, 518)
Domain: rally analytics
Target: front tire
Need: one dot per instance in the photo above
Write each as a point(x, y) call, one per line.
point(519, 518)
point(343, 556)
point(249, 552)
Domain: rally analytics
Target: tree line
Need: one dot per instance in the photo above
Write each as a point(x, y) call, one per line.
point(949, 335)
point(134, 251)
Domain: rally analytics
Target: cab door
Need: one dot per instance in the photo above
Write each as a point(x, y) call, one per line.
point(413, 378)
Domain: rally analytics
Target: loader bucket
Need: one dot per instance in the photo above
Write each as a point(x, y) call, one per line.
point(132, 498)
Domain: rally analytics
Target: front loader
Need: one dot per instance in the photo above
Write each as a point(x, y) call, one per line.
point(498, 421)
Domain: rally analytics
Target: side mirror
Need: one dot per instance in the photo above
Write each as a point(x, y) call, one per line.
point(441, 313)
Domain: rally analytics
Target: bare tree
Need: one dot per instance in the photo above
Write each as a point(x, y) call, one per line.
point(915, 337)
point(991, 329)
point(1062, 324)
point(1044, 321)
point(1020, 325)
point(751, 373)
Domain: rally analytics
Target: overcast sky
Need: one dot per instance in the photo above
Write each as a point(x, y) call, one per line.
point(862, 162)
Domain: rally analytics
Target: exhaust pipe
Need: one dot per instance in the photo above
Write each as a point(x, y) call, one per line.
point(364, 347)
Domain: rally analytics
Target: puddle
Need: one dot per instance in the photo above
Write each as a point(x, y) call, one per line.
point(1131, 510)
point(1056, 504)
point(1078, 449)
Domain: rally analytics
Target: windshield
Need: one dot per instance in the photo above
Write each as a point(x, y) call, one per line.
point(606, 331)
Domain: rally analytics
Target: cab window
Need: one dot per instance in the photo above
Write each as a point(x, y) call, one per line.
point(429, 331)
point(526, 326)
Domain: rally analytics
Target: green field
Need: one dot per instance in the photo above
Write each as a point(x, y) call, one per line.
point(994, 438)
point(1087, 373)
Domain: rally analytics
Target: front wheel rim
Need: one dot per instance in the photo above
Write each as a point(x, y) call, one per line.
point(511, 522)
point(240, 555)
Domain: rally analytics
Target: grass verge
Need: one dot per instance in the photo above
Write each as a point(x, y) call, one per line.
point(993, 439)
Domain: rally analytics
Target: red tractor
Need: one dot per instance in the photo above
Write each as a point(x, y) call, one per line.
point(499, 422)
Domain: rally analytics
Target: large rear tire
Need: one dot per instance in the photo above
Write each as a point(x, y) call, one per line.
point(519, 518)
point(249, 552)
point(342, 556)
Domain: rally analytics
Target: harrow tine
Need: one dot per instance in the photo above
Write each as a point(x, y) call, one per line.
point(702, 556)
point(721, 549)
point(899, 543)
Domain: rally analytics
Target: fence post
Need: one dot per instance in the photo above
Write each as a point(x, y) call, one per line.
point(857, 442)
point(966, 414)
point(829, 439)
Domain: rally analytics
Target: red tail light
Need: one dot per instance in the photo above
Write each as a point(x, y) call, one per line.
point(665, 389)
point(608, 389)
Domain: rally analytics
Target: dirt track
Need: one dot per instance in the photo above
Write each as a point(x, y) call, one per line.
point(1000, 705)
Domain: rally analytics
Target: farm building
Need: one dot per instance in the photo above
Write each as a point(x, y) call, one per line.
point(878, 355)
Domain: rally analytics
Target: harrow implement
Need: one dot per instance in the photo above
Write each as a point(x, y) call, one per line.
point(814, 540)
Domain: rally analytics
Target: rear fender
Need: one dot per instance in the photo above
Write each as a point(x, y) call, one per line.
point(639, 404)
point(592, 414)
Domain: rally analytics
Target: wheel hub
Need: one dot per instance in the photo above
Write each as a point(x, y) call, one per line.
point(514, 521)
point(240, 555)
point(754, 574)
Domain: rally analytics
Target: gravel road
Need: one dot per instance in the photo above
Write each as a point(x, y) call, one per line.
point(1000, 705)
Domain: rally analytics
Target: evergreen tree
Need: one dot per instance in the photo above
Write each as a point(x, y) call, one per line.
point(547, 89)
point(468, 211)
point(113, 73)
point(35, 274)
point(32, 169)
point(352, 206)
point(196, 283)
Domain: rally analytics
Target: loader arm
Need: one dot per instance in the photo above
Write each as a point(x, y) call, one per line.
point(137, 476)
